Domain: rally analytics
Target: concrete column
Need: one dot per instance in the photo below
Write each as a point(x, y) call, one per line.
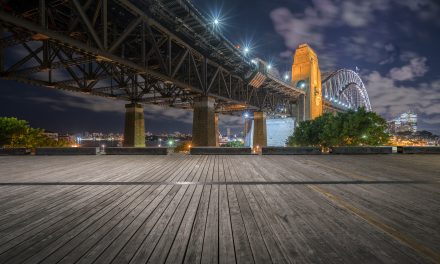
point(217, 131)
point(204, 132)
point(134, 132)
point(260, 134)
point(301, 108)
point(247, 126)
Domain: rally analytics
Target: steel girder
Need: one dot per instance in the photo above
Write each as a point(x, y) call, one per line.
point(158, 52)
point(344, 89)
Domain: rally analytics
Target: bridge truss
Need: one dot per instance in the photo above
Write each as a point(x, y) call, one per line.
point(147, 51)
point(344, 89)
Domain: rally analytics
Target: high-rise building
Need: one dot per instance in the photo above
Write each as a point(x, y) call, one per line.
point(406, 122)
point(228, 132)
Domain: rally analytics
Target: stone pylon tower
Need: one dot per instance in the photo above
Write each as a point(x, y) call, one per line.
point(306, 75)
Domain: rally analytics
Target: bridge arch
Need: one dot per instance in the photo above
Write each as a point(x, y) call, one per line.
point(344, 89)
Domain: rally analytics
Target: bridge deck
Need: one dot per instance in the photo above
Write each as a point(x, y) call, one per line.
point(245, 209)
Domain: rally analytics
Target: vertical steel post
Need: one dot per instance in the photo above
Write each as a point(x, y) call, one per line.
point(105, 23)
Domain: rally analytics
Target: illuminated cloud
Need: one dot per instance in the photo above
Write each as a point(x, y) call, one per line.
point(416, 68)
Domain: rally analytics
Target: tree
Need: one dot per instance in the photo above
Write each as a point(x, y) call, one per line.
point(10, 126)
point(18, 133)
point(234, 144)
point(351, 128)
point(184, 146)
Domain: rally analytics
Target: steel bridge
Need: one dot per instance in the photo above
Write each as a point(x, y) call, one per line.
point(162, 52)
point(344, 89)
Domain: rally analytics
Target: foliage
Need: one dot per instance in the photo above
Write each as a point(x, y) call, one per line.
point(10, 126)
point(234, 144)
point(183, 147)
point(352, 128)
point(18, 133)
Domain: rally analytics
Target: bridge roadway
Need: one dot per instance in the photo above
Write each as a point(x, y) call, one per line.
point(244, 209)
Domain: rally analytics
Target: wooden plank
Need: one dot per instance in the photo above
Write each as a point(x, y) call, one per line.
point(135, 241)
point(162, 248)
point(10, 239)
point(193, 252)
point(108, 237)
point(178, 221)
point(36, 235)
point(177, 251)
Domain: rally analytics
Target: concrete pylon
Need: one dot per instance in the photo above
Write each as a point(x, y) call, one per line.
point(134, 131)
point(217, 132)
point(301, 108)
point(204, 131)
point(306, 75)
point(260, 131)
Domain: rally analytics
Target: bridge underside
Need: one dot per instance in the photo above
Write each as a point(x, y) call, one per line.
point(144, 52)
point(122, 49)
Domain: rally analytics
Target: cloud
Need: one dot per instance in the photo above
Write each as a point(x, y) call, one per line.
point(81, 101)
point(390, 99)
point(324, 17)
point(67, 100)
point(296, 30)
point(357, 14)
point(416, 68)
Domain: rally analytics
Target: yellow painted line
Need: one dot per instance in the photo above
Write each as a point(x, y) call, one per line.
point(421, 249)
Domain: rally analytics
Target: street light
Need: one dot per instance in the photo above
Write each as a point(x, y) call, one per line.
point(301, 84)
point(286, 77)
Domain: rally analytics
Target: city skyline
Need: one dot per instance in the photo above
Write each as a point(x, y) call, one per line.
point(392, 54)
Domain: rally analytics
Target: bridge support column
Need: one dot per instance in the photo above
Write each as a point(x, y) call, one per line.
point(134, 131)
point(205, 127)
point(217, 132)
point(301, 109)
point(260, 131)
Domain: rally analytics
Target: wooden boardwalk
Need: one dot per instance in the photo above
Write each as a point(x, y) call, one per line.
point(220, 209)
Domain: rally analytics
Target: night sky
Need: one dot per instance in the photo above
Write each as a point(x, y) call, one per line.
point(394, 43)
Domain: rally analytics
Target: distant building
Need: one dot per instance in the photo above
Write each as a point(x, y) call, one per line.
point(51, 135)
point(406, 122)
point(66, 137)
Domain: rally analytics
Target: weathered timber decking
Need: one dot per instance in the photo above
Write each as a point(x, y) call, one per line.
point(220, 209)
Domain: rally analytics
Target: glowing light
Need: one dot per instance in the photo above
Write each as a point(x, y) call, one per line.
point(286, 77)
point(269, 66)
point(217, 20)
point(246, 50)
point(254, 61)
point(246, 115)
